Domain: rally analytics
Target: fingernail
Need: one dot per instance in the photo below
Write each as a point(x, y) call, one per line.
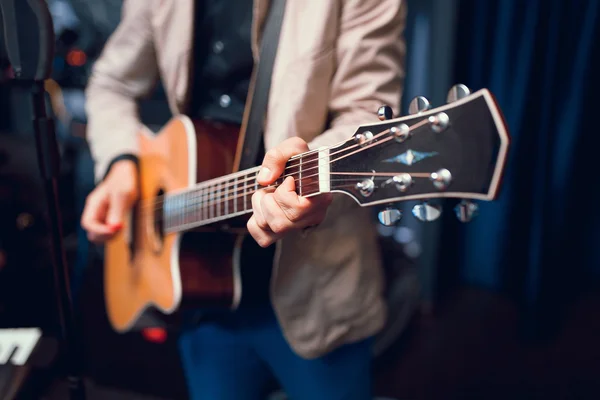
point(116, 227)
point(264, 174)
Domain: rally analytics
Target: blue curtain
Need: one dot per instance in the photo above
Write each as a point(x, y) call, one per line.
point(540, 241)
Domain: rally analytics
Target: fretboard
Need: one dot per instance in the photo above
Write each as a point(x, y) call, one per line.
point(230, 196)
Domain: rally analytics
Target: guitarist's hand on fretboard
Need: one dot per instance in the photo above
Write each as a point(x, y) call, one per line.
point(278, 209)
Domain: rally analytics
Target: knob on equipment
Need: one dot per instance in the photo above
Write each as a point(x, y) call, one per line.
point(457, 92)
point(427, 212)
point(418, 105)
point(389, 216)
point(466, 211)
point(384, 113)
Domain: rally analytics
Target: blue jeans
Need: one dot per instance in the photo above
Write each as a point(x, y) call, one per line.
point(236, 357)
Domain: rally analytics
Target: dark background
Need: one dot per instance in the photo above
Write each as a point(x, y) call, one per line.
point(507, 304)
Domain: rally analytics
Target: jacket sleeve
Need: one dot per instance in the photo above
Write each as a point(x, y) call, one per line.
point(370, 66)
point(126, 70)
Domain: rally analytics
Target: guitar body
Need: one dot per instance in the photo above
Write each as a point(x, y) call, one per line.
point(146, 268)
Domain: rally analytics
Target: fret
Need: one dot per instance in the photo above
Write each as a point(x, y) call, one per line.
point(197, 202)
point(255, 188)
point(219, 200)
point(292, 170)
point(182, 208)
point(189, 207)
point(204, 210)
point(308, 174)
point(245, 197)
point(177, 210)
point(300, 176)
point(211, 201)
point(226, 197)
point(174, 214)
point(235, 194)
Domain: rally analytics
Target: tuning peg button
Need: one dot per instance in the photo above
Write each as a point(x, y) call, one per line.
point(466, 211)
point(389, 217)
point(364, 138)
point(400, 132)
point(418, 105)
point(441, 179)
point(457, 92)
point(427, 212)
point(366, 187)
point(439, 122)
point(385, 113)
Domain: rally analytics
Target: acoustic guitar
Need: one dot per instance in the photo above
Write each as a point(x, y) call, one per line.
point(187, 184)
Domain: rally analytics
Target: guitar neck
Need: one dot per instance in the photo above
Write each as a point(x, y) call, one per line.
point(230, 196)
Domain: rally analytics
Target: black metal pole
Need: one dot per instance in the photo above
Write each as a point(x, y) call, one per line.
point(29, 41)
point(49, 164)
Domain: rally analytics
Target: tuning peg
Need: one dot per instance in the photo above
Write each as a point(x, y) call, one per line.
point(466, 211)
point(366, 187)
point(389, 216)
point(403, 182)
point(418, 105)
point(385, 113)
point(439, 122)
point(426, 212)
point(457, 92)
point(441, 179)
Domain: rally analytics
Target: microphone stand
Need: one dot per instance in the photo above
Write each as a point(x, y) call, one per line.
point(32, 77)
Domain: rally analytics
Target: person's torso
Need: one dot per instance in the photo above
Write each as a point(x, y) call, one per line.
point(302, 74)
point(222, 60)
point(314, 291)
point(221, 68)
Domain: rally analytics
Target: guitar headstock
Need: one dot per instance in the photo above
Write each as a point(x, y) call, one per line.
point(457, 150)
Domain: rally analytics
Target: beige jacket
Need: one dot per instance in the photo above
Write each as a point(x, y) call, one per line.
point(337, 61)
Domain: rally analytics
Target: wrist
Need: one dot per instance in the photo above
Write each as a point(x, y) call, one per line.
point(124, 163)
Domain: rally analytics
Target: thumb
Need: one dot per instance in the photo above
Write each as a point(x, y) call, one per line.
point(116, 210)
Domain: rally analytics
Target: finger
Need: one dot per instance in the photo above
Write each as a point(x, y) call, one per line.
point(292, 205)
point(119, 203)
point(94, 214)
point(278, 221)
point(262, 237)
point(276, 158)
point(297, 208)
point(257, 209)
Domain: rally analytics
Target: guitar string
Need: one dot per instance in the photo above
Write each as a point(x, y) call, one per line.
point(158, 201)
point(239, 195)
point(206, 213)
point(238, 192)
point(207, 210)
point(220, 200)
point(248, 178)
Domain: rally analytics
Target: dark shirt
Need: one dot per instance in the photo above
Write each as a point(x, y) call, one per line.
point(222, 68)
point(222, 59)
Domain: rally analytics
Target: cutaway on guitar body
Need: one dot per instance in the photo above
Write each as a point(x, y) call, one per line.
point(148, 266)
